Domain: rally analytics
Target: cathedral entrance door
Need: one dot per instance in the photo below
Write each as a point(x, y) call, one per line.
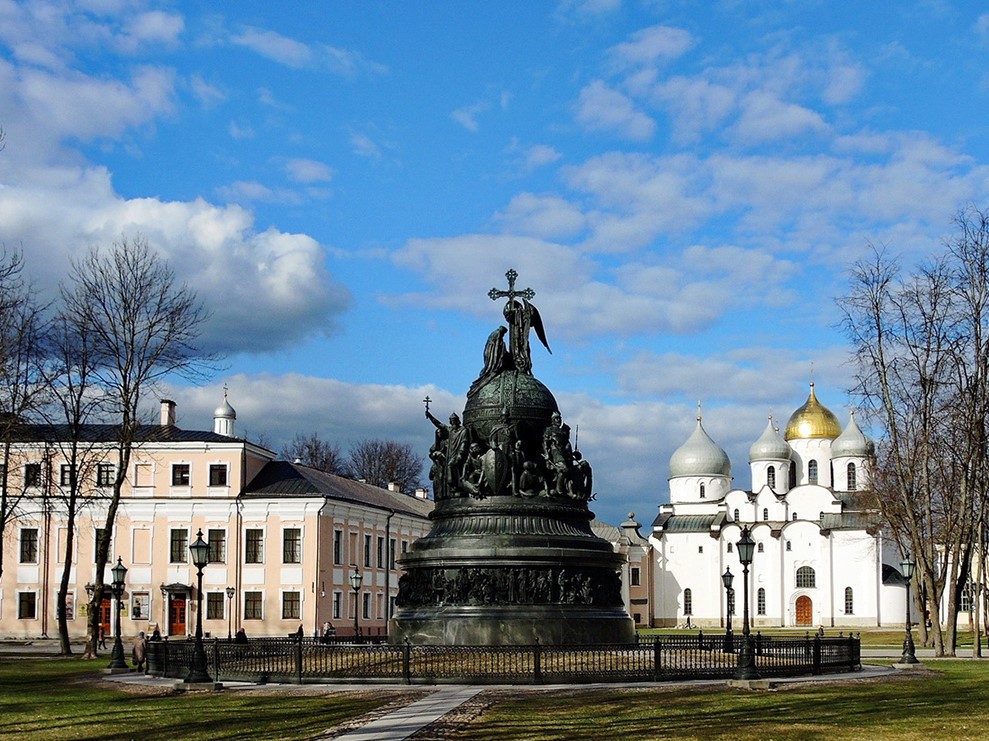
point(805, 611)
point(176, 615)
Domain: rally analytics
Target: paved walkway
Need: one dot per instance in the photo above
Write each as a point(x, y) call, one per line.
point(402, 723)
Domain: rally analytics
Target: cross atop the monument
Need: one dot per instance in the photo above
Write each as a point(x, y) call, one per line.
point(527, 293)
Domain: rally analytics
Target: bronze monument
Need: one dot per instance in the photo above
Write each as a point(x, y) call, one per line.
point(510, 558)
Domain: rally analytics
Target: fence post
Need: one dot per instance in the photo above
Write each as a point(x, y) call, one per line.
point(216, 659)
point(817, 655)
point(407, 661)
point(657, 659)
point(758, 643)
point(700, 639)
point(298, 659)
point(854, 651)
point(537, 667)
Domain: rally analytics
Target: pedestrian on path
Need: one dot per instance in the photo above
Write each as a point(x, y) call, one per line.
point(140, 651)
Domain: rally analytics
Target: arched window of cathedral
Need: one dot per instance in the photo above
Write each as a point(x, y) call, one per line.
point(794, 518)
point(771, 477)
point(851, 477)
point(702, 491)
point(849, 601)
point(811, 472)
point(736, 515)
point(760, 548)
point(730, 547)
point(760, 602)
point(688, 602)
point(806, 578)
point(792, 476)
point(765, 513)
point(788, 547)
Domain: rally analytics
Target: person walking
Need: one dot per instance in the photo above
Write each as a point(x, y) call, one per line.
point(140, 651)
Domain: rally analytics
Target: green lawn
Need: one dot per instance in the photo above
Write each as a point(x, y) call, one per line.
point(52, 699)
point(950, 703)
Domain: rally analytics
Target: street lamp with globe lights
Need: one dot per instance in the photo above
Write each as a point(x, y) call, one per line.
point(909, 655)
point(727, 578)
point(230, 613)
point(746, 655)
point(356, 579)
point(117, 587)
point(198, 671)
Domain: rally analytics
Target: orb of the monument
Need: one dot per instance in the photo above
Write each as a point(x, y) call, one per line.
point(523, 397)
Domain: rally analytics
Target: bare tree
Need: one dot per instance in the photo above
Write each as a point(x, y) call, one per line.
point(22, 330)
point(383, 462)
point(922, 351)
point(141, 326)
point(76, 404)
point(312, 450)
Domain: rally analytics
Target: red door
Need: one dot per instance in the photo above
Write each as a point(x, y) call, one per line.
point(176, 616)
point(105, 613)
point(805, 611)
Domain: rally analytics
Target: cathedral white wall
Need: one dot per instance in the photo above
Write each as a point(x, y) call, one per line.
point(760, 475)
point(817, 449)
point(688, 489)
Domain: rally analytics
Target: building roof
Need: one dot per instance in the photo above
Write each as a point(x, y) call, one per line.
point(812, 420)
point(699, 456)
point(670, 523)
point(107, 433)
point(285, 479)
point(849, 521)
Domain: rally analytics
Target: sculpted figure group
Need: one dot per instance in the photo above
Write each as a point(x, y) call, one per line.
point(467, 464)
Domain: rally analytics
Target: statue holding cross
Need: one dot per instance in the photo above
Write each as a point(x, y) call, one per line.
point(521, 316)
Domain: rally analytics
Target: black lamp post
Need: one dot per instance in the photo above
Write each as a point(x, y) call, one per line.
point(909, 656)
point(117, 586)
point(727, 578)
point(746, 655)
point(230, 613)
point(355, 582)
point(198, 671)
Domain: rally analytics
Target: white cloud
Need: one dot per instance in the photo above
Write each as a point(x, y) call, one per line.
point(150, 28)
point(652, 45)
point(364, 146)
point(274, 46)
point(467, 116)
point(207, 94)
point(544, 216)
point(308, 171)
point(765, 118)
point(600, 108)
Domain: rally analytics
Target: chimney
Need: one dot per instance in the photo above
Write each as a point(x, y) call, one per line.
point(167, 413)
point(422, 493)
point(392, 486)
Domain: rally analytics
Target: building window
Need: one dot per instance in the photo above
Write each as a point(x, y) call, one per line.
point(337, 605)
point(215, 605)
point(140, 606)
point(405, 546)
point(765, 513)
point(105, 474)
point(760, 548)
point(180, 474)
point(702, 491)
point(292, 545)
point(688, 602)
point(366, 605)
point(736, 515)
point(794, 517)
point(254, 546)
point(217, 540)
point(789, 546)
point(253, 606)
point(381, 552)
point(391, 552)
point(760, 601)
point(851, 477)
point(966, 602)
point(771, 477)
point(178, 551)
point(806, 578)
point(731, 548)
point(849, 601)
point(29, 545)
point(367, 550)
point(338, 547)
point(67, 475)
point(634, 578)
point(291, 605)
point(218, 474)
point(811, 472)
point(32, 474)
point(27, 606)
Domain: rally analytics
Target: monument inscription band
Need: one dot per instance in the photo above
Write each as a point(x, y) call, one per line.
point(510, 558)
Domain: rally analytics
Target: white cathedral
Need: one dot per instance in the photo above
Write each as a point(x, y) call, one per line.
point(822, 556)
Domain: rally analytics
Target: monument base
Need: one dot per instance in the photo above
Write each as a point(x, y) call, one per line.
point(549, 625)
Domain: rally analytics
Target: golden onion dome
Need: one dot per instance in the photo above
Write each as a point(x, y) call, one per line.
point(812, 420)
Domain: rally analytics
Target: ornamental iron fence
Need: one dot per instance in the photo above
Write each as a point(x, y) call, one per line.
point(302, 660)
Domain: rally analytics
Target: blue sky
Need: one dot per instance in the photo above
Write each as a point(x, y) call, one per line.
point(683, 184)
